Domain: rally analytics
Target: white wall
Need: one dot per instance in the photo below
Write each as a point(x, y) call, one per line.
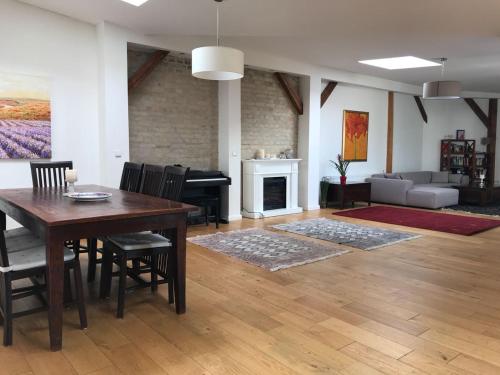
point(41, 43)
point(408, 134)
point(445, 117)
point(347, 97)
point(36, 42)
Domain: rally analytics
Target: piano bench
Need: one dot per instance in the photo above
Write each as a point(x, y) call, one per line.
point(206, 202)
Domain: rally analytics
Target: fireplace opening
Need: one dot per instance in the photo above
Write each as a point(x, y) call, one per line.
point(274, 193)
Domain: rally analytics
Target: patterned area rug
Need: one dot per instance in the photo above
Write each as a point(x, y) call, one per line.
point(490, 210)
point(340, 232)
point(267, 249)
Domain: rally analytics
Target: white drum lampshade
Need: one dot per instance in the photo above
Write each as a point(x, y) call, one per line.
point(217, 63)
point(442, 90)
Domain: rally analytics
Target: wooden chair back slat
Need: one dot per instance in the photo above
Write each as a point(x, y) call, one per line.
point(152, 178)
point(49, 174)
point(4, 258)
point(172, 185)
point(131, 177)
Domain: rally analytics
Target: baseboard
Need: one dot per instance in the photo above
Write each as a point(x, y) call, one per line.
point(312, 208)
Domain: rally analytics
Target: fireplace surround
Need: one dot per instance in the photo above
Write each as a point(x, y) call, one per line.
point(270, 187)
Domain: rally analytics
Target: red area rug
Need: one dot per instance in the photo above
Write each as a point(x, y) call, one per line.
point(457, 224)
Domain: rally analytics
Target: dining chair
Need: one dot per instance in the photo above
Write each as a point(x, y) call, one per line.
point(52, 174)
point(151, 249)
point(130, 181)
point(23, 257)
point(131, 177)
point(49, 174)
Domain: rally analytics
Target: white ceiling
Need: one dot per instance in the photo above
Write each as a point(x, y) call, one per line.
point(331, 33)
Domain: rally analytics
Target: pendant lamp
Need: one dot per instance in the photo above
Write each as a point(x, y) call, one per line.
point(217, 62)
point(442, 89)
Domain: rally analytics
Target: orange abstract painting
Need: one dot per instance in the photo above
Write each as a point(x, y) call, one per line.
point(355, 137)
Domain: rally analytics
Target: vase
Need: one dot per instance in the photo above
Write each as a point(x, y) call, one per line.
point(343, 180)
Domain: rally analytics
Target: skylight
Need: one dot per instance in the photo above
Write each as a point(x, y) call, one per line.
point(404, 62)
point(137, 3)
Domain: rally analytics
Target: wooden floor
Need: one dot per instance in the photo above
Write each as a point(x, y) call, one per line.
point(426, 306)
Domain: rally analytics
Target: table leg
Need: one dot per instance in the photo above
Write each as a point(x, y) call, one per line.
point(55, 277)
point(180, 265)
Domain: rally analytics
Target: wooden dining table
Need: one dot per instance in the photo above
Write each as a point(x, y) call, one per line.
point(57, 218)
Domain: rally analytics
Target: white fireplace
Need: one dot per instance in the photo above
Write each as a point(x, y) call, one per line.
point(270, 187)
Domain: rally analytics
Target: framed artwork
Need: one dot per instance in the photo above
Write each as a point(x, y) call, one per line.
point(25, 117)
point(461, 134)
point(355, 136)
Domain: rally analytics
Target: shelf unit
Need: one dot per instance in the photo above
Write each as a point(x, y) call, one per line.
point(459, 156)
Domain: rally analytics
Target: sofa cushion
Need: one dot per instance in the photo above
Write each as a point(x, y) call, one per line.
point(439, 177)
point(387, 190)
point(455, 178)
point(418, 177)
point(431, 197)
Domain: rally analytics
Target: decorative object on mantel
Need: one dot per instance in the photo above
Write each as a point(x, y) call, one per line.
point(359, 236)
point(442, 89)
point(260, 154)
point(355, 136)
point(289, 153)
point(341, 166)
point(267, 249)
point(25, 117)
point(216, 62)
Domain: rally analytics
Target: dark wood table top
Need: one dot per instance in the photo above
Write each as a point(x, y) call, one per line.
point(350, 183)
point(53, 208)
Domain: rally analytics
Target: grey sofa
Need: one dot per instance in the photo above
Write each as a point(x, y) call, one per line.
point(418, 189)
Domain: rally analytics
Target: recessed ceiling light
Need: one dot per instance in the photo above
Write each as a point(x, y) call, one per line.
point(404, 62)
point(137, 3)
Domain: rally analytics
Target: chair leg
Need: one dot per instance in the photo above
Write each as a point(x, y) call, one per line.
point(77, 273)
point(68, 294)
point(106, 273)
point(7, 309)
point(217, 215)
point(154, 273)
point(170, 278)
point(92, 252)
point(122, 286)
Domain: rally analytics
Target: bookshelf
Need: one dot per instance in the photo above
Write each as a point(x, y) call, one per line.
point(459, 156)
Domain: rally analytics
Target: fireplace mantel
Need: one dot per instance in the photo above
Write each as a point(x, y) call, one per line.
point(254, 173)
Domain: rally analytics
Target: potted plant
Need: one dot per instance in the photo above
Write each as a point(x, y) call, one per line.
point(341, 166)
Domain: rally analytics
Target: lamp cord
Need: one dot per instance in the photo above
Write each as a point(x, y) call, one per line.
point(218, 37)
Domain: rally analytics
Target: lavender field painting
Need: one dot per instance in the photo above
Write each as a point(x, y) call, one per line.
point(25, 117)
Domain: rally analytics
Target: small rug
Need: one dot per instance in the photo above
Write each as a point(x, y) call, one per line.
point(489, 210)
point(441, 222)
point(267, 249)
point(340, 232)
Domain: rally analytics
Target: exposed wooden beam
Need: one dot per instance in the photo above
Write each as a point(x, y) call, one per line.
point(390, 130)
point(421, 108)
point(145, 70)
point(492, 139)
point(327, 92)
point(478, 111)
point(291, 93)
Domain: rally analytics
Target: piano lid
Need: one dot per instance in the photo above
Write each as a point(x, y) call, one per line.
point(199, 175)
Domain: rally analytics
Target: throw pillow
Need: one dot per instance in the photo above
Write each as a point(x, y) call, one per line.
point(440, 177)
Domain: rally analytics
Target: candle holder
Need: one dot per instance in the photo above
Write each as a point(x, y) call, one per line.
point(71, 178)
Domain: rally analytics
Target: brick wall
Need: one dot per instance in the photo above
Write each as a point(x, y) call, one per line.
point(173, 116)
point(268, 120)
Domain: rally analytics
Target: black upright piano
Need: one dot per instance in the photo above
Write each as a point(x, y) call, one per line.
point(204, 188)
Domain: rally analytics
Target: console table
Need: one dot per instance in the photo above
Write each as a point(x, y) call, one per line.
point(350, 192)
point(477, 194)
